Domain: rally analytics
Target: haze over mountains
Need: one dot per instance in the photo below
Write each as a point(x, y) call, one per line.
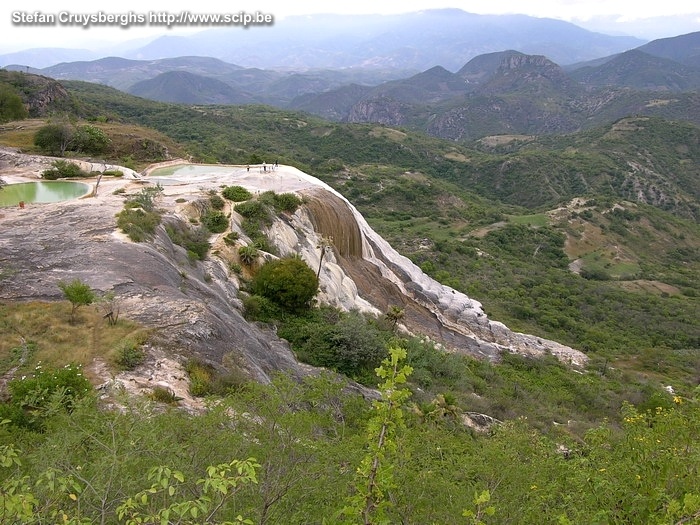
point(448, 73)
point(413, 41)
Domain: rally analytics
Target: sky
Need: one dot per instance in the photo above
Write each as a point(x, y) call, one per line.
point(643, 19)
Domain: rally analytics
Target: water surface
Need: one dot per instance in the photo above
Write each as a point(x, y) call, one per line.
point(42, 192)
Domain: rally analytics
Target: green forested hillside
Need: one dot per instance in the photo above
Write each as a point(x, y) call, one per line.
point(590, 239)
point(502, 220)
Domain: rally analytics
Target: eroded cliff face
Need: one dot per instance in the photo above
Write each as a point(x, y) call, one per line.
point(196, 309)
point(366, 273)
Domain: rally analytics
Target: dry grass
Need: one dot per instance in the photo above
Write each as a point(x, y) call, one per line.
point(54, 340)
point(20, 134)
point(126, 140)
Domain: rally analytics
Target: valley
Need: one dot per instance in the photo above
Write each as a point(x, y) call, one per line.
point(523, 237)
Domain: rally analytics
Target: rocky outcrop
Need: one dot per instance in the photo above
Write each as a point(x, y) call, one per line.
point(196, 309)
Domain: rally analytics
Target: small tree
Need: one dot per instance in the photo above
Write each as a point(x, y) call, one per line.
point(78, 293)
point(54, 138)
point(11, 105)
point(90, 139)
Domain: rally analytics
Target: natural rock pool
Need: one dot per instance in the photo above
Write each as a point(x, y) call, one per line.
point(42, 192)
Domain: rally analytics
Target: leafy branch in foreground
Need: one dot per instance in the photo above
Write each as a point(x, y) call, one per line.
point(374, 478)
point(162, 503)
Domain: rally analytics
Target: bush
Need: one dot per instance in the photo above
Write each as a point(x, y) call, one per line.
point(53, 138)
point(215, 221)
point(78, 293)
point(165, 395)
point(288, 202)
point(63, 169)
point(129, 354)
point(349, 344)
point(45, 386)
point(289, 282)
point(139, 218)
point(248, 254)
point(195, 240)
point(138, 224)
point(236, 193)
point(254, 210)
point(90, 139)
point(216, 202)
point(231, 238)
point(258, 308)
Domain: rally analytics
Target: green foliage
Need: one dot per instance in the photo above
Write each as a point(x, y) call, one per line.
point(289, 282)
point(281, 202)
point(138, 224)
point(63, 169)
point(254, 210)
point(166, 500)
point(231, 238)
point(90, 139)
point(78, 293)
point(248, 254)
point(216, 201)
point(346, 342)
point(205, 380)
point(236, 193)
point(193, 240)
point(161, 394)
point(11, 105)
point(374, 480)
point(259, 308)
point(215, 221)
point(34, 397)
point(139, 218)
point(145, 199)
point(53, 139)
point(129, 354)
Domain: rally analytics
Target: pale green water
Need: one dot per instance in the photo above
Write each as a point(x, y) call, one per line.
point(43, 191)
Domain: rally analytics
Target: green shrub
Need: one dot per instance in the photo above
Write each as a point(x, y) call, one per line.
point(236, 193)
point(289, 282)
point(288, 202)
point(215, 221)
point(138, 224)
point(63, 169)
point(349, 344)
point(258, 308)
point(248, 254)
point(165, 395)
point(231, 238)
point(53, 138)
point(194, 240)
point(90, 139)
point(113, 173)
point(216, 202)
point(145, 199)
point(254, 210)
point(78, 293)
point(129, 354)
point(139, 218)
point(46, 387)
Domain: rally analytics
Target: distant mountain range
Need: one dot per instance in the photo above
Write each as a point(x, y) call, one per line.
point(503, 92)
point(413, 41)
